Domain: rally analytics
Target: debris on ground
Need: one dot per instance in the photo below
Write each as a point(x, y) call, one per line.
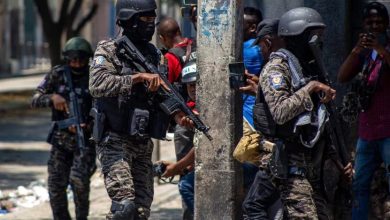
point(24, 197)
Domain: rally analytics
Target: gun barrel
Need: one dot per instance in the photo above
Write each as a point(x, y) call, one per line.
point(335, 130)
point(75, 114)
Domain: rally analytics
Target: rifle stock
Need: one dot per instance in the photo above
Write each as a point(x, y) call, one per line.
point(337, 137)
point(175, 100)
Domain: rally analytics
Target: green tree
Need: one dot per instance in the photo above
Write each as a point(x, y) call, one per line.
point(65, 24)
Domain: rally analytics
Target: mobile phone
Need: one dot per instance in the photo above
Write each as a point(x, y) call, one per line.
point(381, 38)
point(188, 11)
point(237, 76)
point(370, 35)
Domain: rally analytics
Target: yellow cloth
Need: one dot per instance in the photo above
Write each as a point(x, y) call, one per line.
point(247, 149)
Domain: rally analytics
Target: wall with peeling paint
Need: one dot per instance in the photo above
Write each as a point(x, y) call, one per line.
point(218, 174)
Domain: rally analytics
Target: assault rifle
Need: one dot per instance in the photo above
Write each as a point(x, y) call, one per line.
point(335, 131)
point(75, 116)
point(174, 100)
point(336, 134)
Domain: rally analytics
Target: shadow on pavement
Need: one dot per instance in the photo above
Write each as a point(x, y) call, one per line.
point(10, 181)
point(27, 125)
point(166, 214)
point(24, 157)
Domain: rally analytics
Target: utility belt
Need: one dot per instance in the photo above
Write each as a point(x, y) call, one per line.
point(278, 163)
point(304, 172)
point(297, 171)
point(140, 123)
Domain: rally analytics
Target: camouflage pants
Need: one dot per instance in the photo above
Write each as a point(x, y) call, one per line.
point(65, 166)
point(127, 168)
point(301, 201)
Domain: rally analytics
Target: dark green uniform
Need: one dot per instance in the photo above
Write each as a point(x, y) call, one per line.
point(65, 165)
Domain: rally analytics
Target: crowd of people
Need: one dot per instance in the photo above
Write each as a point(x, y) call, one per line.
point(110, 109)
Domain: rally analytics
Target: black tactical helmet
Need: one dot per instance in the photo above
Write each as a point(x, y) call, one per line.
point(77, 46)
point(125, 9)
point(295, 21)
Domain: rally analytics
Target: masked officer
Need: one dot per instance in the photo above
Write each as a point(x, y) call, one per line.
point(292, 106)
point(67, 164)
point(126, 95)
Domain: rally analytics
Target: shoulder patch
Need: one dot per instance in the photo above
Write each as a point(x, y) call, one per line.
point(99, 60)
point(276, 80)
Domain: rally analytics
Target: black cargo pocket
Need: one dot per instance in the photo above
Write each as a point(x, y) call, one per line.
point(139, 123)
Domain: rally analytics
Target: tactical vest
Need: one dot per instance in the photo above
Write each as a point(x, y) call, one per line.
point(264, 122)
point(137, 114)
point(262, 118)
point(80, 86)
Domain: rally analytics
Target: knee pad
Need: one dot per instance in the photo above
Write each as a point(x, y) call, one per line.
point(124, 210)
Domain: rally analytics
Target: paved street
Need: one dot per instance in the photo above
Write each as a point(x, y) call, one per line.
point(24, 153)
point(20, 83)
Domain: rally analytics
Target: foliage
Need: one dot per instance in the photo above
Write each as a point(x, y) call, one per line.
point(65, 24)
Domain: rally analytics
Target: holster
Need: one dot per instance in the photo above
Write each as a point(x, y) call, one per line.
point(278, 163)
point(98, 124)
point(50, 136)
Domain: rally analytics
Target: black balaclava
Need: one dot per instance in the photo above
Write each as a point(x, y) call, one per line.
point(78, 55)
point(299, 46)
point(81, 70)
point(137, 30)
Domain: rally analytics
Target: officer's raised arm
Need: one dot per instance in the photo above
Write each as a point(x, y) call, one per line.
point(284, 104)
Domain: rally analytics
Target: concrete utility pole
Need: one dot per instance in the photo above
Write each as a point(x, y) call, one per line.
point(218, 185)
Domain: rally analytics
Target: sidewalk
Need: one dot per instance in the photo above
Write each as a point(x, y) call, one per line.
point(32, 166)
point(166, 204)
point(18, 84)
point(23, 159)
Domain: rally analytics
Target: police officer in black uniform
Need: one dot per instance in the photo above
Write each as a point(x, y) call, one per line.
point(67, 163)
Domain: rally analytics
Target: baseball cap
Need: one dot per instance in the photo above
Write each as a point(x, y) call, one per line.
point(266, 27)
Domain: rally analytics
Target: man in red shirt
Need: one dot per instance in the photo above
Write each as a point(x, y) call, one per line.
point(371, 56)
point(180, 49)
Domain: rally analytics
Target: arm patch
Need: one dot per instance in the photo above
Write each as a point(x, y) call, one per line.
point(276, 80)
point(99, 60)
